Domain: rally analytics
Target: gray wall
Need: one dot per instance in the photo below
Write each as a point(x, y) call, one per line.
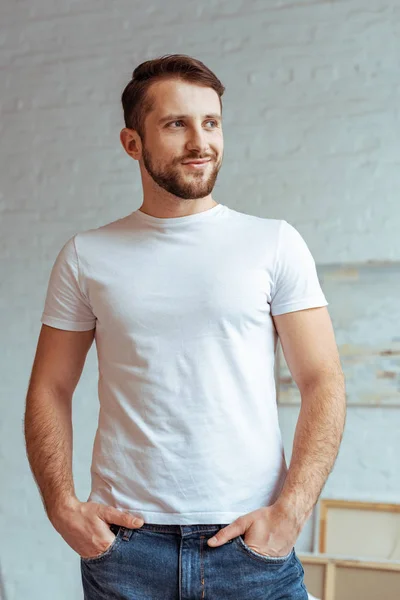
point(311, 135)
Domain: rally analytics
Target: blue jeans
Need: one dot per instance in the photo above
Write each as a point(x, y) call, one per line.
point(174, 562)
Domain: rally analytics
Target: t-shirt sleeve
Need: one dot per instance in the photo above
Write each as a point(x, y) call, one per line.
point(295, 283)
point(66, 306)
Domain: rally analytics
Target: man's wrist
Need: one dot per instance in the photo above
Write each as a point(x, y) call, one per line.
point(61, 507)
point(293, 509)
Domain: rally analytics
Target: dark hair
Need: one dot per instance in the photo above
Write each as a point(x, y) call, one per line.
point(136, 102)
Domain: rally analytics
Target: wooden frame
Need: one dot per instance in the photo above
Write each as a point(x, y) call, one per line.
point(334, 570)
point(380, 553)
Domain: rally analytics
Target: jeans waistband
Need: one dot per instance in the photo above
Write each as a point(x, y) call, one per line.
point(183, 529)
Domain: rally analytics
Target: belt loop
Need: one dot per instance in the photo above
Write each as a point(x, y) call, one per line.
point(126, 533)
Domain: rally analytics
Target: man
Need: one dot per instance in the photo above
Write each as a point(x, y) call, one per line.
point(186, 298)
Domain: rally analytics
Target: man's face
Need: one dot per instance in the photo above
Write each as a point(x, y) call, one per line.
point(185, 124)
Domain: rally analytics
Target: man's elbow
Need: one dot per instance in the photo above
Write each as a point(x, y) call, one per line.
point(331, 379)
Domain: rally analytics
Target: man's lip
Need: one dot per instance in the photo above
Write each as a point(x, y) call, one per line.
point(196, 161)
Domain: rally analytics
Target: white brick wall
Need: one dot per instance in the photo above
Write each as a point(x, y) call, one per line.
point(311, 135)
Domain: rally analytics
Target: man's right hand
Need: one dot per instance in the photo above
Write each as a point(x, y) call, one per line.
point(85, 526)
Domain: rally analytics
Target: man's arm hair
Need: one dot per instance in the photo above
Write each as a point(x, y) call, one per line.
point(310, 349)
point(57, 367)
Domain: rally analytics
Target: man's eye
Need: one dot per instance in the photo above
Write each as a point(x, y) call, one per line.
point(179, 121)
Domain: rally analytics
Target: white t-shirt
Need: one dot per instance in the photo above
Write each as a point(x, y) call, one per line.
point(188, 427)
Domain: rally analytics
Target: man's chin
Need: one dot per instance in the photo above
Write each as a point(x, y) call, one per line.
point(194, 194)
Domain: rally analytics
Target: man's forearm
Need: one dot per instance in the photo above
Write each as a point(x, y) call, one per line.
point(316, 444)
point(48, 436)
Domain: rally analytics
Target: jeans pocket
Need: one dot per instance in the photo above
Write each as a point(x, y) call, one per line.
point(117, 530)
point(272, 560)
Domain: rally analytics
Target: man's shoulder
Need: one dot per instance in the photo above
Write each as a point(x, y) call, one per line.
point(257, 220)
point(103, 230)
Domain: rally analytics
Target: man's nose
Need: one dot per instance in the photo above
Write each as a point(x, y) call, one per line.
point(197, 140)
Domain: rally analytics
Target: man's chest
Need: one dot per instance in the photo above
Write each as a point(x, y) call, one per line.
point(174, 295)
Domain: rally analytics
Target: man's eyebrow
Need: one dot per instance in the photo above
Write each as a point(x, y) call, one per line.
point(172, 117)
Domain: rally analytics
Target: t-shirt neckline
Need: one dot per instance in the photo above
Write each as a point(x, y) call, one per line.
point(195, 217)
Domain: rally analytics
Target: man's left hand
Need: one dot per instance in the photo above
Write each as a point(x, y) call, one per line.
point(270, 530)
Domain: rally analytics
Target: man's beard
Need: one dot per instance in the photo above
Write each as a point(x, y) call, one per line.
point(174, 182)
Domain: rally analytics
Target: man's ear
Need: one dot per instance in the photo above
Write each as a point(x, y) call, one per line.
point(131, 142)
